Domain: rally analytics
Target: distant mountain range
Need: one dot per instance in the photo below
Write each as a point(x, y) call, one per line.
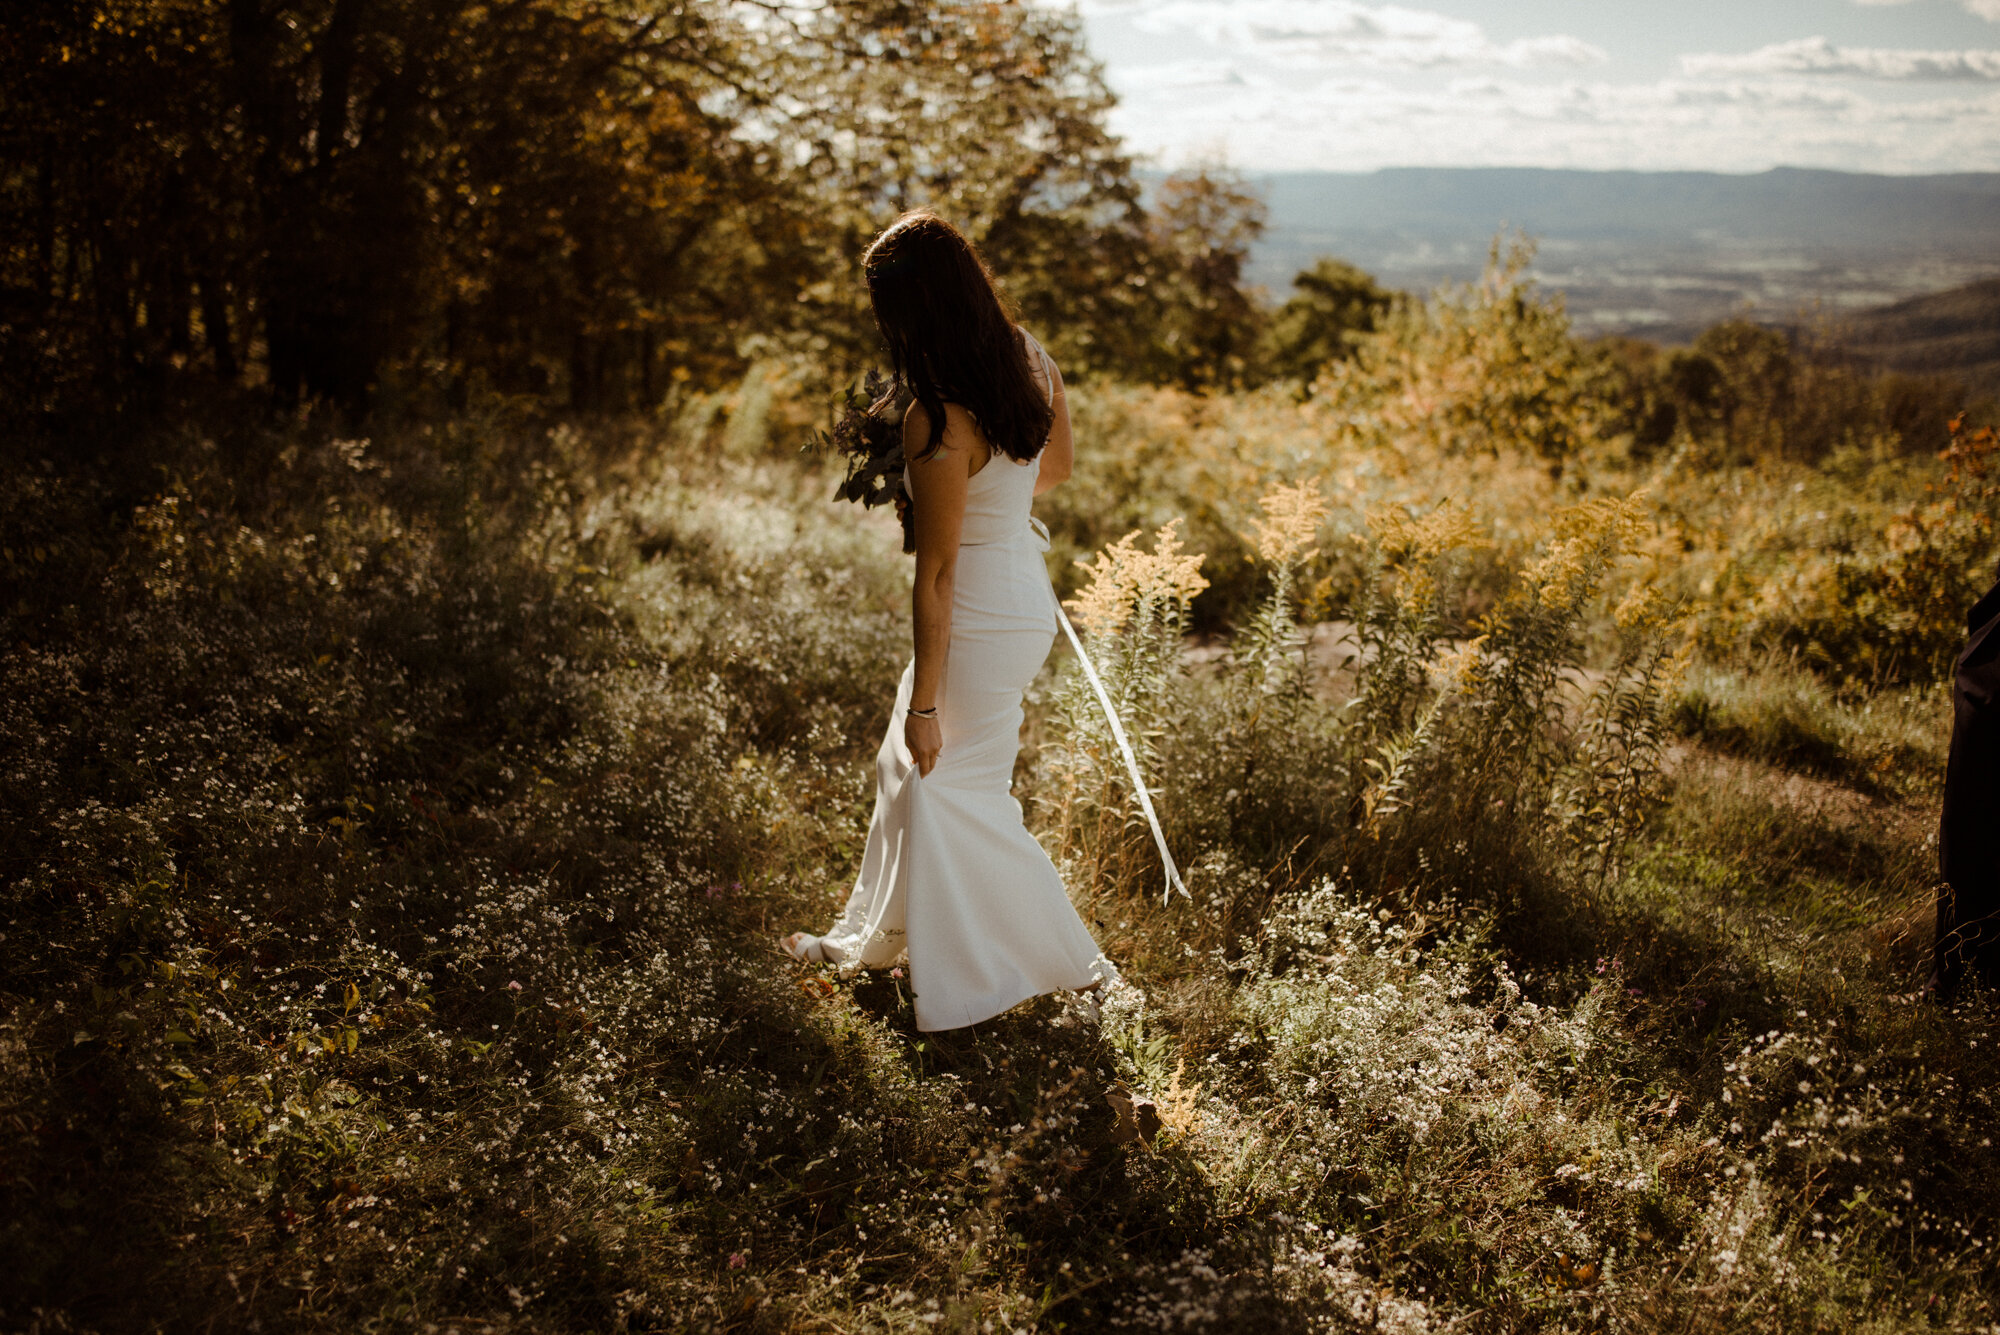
point(1662, 254)
point(1956, 333)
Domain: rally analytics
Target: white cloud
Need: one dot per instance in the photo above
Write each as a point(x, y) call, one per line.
point(1359, 84)
point(1357, 124)
point(1320, 33)
point(1985, 9)
point(1816, 55)
point(1180, 77)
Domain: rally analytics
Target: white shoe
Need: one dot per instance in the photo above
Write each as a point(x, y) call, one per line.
point(805, 946)
point(1087, 1003)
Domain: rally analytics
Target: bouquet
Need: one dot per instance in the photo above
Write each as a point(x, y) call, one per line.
point(868, 436)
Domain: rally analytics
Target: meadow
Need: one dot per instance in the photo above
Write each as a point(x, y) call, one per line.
point(398, 829)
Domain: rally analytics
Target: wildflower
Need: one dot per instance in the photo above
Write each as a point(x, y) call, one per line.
point(1292, 519)
point(513, 987)
point(1644, 607)
point(1459, 667)
point(896, 972)
point(736, 1261)
point(1410, 540)
point(1122, 577)
point(1583, 539)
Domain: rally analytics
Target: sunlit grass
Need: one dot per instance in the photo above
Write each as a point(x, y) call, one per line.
point(395, 864)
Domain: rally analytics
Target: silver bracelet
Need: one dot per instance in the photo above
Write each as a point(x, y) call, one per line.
point(924, 713)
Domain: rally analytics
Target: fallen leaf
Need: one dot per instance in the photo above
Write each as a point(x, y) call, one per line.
point(1138, 1118)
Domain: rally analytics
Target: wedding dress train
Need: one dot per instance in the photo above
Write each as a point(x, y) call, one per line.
point(950, 874)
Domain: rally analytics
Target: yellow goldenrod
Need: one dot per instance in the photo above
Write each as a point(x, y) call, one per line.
point(1583, 539)
point(1457, 667)
point(1291, 521)
point(1122, 577)
point(1407, 539)
point(1179, 1104)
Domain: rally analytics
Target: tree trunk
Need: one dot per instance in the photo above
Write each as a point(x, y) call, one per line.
point(336, 77)
point(215, 328)
point(254, 86)
point(45, 228)
point(582, 378)
point(648, 349)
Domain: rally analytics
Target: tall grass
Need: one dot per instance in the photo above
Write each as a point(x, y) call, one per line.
point(396, 832)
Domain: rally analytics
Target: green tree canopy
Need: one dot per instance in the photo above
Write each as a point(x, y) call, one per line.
point(1332, 305)
point(1204, 222)
point(578, 202)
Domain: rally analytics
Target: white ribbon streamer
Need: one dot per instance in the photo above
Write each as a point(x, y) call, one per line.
point(1174, 881)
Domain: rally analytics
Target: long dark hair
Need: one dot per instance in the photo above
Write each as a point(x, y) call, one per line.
point(949, 335)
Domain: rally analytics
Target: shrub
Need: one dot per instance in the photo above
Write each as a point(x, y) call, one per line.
point(386, 851)
point(1866, 605)
point(1253, 762)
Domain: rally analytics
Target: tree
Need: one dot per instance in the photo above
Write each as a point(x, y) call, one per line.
point(1487, 367)
point(120, 248)
point(1203, 224)
point(1332, 306)
point(370, 188)
point(1745, 386)
point(574, 202)
point(992, 113)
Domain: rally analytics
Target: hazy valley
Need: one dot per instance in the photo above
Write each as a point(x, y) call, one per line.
point(1661, 254)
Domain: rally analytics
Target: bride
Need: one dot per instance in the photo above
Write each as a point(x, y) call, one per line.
point(950, 873)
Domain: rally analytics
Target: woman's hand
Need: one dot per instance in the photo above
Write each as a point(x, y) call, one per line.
point(925, 739)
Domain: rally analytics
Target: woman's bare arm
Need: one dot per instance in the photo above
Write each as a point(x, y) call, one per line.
point(1059, 455)
point(937, 486)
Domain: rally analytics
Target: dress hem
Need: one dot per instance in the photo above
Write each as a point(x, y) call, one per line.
point(1092, 981)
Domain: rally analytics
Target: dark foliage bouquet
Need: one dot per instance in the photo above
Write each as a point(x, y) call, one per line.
point(869, 437)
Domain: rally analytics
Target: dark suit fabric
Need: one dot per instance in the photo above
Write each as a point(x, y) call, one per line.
point(1968, 917)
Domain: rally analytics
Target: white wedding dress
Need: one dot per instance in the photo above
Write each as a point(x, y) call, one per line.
point(950, 873)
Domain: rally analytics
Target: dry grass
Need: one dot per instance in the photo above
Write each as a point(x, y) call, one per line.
point(395, 839)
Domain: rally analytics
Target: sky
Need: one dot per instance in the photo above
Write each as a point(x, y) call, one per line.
point(1899, 86)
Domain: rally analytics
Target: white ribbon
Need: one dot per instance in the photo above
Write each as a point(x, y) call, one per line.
point(1174, 881)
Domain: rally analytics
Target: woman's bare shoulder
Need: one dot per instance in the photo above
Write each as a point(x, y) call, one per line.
point(960, 430)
